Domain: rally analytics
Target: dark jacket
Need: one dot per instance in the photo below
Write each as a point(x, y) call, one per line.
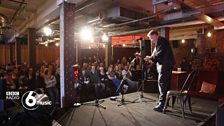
point(163, 54)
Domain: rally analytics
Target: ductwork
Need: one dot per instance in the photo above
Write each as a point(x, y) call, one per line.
point(123, 14)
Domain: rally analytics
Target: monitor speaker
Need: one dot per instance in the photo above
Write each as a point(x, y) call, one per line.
point(145, 48)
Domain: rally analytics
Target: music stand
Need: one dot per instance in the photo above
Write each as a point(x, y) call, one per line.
point(142, 98)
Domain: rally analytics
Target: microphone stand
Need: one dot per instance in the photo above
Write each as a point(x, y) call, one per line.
point(96, 102)
point(122, 100)
point(141, 97)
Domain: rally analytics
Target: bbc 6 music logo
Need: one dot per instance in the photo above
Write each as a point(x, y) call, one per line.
point(13, 95)
point(31, 100)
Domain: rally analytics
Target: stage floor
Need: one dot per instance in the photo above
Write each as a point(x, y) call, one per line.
point(136, 114)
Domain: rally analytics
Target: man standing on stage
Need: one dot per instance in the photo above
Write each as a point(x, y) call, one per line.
point(164, 59)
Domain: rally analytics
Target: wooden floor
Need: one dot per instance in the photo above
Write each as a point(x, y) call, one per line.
point(136, 114)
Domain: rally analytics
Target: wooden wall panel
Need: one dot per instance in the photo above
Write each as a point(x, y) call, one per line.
point(182, 51)
point(2, 54)
point(124, 52)
point(24, 53)
point(49, 54)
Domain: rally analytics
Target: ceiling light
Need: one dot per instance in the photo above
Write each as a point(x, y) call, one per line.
point(86, 34)
point(105, 38)
point(209, 19)
point(47, 31)
point(123, 45)
point(89, 47)
point(209, 34)
point(183, 41)
point(46, 44)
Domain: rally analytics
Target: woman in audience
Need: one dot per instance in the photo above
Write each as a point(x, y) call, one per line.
point(15, 76)
point(112, 76)
point(84, 86)
point(10, 84)
point(51, 88)
point(31, 79)
point(23, 82)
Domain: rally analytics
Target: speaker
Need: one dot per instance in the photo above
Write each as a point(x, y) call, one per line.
point(145, 48)
point(151, 86)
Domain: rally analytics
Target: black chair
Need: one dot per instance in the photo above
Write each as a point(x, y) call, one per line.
point(220, 115)
point(182, 94)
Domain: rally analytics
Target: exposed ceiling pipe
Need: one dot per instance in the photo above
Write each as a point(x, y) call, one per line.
point(157, 27)
point(204, 17)
point(20, 2)
point(213, 4)
point(132, 32)
point(129, 22)
point(18, 9)
point(137, 20)
point(79, 7)
point(85, 5)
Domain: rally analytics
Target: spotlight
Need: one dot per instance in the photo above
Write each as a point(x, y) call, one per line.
point(123, 45)
point(209, 34)
point(86, 34)
point(105, 38)
point(47, 31)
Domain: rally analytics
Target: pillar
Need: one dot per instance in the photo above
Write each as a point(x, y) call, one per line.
point(164, 32)
point(67, 53)
point(108, 52)
point(11, 53)
point(31, 47)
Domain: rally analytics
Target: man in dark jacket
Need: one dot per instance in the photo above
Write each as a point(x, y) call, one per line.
point(164, 59)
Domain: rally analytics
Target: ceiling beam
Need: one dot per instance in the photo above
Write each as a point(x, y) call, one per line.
point(20, 2)
point(46, 12)
point(7, 6)
point(202, 16)
point(207, 19)
point(7, 9)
